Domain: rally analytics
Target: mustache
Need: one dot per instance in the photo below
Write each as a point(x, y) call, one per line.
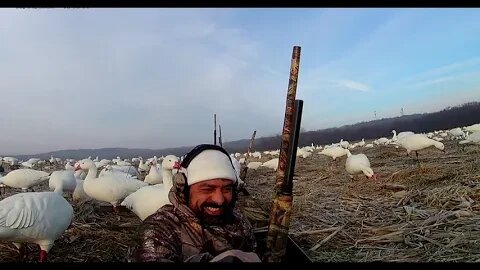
point(213, 204)
point(222, 219)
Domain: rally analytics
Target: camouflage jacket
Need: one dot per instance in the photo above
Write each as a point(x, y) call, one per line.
point(174, 234)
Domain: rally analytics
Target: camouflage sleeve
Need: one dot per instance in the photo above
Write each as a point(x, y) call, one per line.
point(161, 239)
point(251, 240)
point(249, 235)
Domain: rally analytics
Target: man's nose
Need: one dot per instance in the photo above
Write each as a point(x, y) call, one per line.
point(218, 197)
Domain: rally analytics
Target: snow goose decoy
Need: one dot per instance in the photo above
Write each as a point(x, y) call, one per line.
point(359, 164)
point(400, 135)
point(417, 142)
point(238, 170)
point(110, 188)
point(24, 178)
point(34, 217)
point(154, 176)
point(254, 165)
point(334, 152)
point(272, 164)
point(147, 200)
point(62, 180)
point(473, 138)
point(344, 144)
point(473, 128)
point(144, 167)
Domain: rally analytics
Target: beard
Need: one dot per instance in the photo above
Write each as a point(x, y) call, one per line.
point(224, 218)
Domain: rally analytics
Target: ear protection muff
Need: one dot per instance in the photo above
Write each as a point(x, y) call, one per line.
point(180, 179)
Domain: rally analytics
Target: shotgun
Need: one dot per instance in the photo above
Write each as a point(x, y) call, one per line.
point(282, 197)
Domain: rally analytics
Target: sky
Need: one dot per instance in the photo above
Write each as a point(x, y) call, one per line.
point(153, 78)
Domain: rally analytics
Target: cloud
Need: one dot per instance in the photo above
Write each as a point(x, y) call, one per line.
point(135, 78)
point(444, 73)
point(353, 85)
point(334, 84)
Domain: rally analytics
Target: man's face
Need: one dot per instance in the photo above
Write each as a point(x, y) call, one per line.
point(212, 200)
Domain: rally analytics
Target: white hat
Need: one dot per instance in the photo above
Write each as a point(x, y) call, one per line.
point(210, 164)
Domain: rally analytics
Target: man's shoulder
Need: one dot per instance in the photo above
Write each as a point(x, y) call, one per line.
point(167, 214)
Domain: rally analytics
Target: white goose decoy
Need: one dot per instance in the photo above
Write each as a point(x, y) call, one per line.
point(456, 133)
point(34, 217)
point(344, 144)
point(147, 200)
point(33, 160)
point(254, 165)
point(334, 152)
point(359, 164)
point(383, 141)
point(256, 155)
point(272, 164)
point(236, 164)
point(361, 143)
point(417, 142)
point(238, 169)
point(154, 176)
point(24, 178)
point(79, 194)
point(27, 164)
point(123, 163)
point(473, 138)
point(168, 164)
point(166, 171)
point(69, 166)
point(115, 170)
point(144, 167)
point(400, 135)
point(62, 180)
point(110, 188)
point(303, 153)
point(473, 128)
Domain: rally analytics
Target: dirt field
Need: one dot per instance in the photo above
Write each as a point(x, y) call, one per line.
point(431, 214)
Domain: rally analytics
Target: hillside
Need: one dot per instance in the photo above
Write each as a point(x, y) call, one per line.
point(451, 117)
point(463, 115)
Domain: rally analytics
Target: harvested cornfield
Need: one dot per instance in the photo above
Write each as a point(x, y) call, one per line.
point(427, 212)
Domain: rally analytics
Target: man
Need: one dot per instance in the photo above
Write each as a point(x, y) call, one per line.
point(202, 223)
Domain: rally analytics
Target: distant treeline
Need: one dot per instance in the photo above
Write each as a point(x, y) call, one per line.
point(451, 117)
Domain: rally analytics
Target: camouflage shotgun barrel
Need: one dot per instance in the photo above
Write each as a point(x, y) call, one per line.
point(282, 201)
